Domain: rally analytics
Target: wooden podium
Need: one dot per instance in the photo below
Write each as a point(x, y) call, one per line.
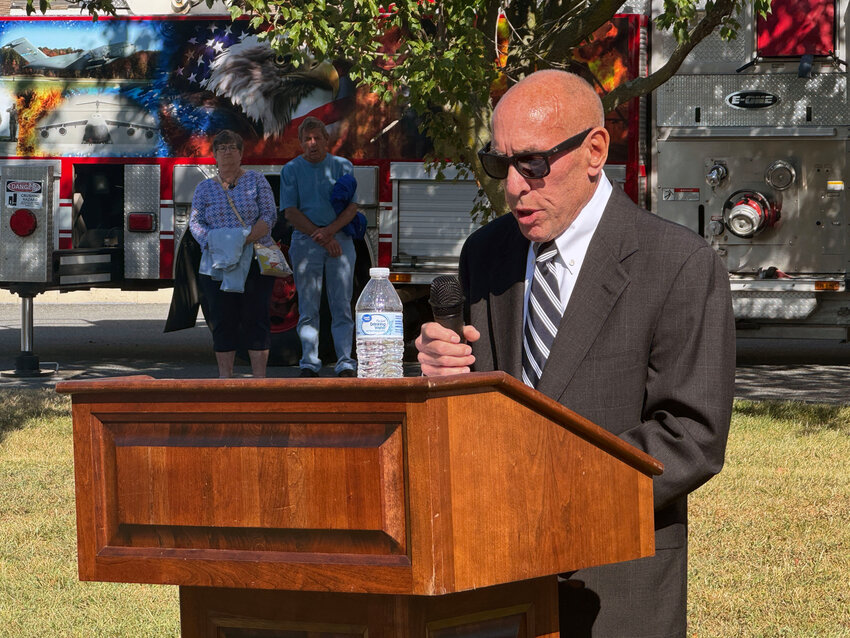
point(288, 508)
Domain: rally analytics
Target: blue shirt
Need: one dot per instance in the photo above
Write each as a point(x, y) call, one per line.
point(307, 186)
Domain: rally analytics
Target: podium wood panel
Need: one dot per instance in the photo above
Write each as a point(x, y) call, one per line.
point(517, 610)
point(158, 477)
point(396, 487)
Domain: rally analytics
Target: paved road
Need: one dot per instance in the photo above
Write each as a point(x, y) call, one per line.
point(799, 370)
point(106, 339)
point(89, 340)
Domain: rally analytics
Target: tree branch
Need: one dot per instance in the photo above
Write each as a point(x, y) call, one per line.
point(642, 86)
point(577, 30)
point(487, 21)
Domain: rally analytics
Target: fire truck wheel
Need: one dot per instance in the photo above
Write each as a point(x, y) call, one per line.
point(285, 349)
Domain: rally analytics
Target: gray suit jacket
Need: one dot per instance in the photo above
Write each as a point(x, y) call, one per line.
point(645, 349)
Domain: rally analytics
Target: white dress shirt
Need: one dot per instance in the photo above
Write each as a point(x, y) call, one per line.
point(572, 245)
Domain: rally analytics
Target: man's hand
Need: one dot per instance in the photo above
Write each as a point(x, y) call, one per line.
point(322, 236)
point(440, 350)
point(333, 248)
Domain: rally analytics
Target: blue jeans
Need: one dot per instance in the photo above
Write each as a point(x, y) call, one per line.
point(310, 261)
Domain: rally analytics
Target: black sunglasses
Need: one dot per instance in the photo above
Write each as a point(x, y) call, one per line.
point(534, 165)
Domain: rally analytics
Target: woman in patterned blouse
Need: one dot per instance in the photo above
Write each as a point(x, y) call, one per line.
point(236, 318)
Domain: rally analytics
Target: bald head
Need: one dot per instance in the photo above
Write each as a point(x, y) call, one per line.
point(555, 98)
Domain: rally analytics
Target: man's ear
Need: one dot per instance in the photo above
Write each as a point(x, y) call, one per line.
point(597, 150)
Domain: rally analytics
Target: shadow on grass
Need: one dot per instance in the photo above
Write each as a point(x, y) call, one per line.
point(18, 407)
point(809, 418)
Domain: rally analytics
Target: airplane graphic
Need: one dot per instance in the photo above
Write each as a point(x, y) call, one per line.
point(82, 121)
point(81, 60)
point(99, 130)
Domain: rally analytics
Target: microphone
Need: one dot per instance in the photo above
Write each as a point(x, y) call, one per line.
point(447, 303)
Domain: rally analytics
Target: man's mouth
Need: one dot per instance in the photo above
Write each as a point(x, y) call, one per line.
point(525, 213)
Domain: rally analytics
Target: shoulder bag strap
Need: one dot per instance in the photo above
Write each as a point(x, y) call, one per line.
point(232, 205)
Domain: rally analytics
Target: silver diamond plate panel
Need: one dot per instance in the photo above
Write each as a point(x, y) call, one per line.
point(27, 259)
point(713, 51)
point(635, 6)
point(826, 94)
point(773, 305)
point(141, 195)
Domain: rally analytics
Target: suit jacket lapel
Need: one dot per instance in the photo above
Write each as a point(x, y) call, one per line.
point(600, 283)
point(506, 308)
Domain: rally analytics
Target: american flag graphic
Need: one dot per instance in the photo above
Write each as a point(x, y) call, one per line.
point(226, 71)
point(205, 42)
point(189, 49)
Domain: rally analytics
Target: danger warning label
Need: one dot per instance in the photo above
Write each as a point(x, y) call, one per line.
point(680, 194)
point(24, 194)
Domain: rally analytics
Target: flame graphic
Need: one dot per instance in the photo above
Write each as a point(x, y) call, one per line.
point(605, 56)
point(609, 70)
point(32, 106)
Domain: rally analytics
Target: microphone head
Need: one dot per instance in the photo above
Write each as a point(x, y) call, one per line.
point(446, 293)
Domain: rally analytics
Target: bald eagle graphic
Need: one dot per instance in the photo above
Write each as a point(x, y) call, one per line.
point(267, 87)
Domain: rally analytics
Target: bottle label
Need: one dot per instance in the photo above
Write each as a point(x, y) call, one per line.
point(380, 324)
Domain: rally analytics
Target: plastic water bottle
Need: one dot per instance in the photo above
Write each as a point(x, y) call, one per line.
point(380, 331)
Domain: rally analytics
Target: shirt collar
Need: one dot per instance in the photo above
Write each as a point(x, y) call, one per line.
point(585, 223)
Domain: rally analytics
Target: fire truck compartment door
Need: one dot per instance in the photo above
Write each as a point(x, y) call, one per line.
point(27, 190)
point(796, 27)
point(367, 185)
point(433, 216)
point(141, 195)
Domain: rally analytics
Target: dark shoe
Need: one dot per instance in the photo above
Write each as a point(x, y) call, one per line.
point(347, 372)
point(308, 373)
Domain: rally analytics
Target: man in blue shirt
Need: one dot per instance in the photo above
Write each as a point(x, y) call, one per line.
point(319, 247)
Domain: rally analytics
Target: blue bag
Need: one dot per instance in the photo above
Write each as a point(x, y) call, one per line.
point(341, 196)
point(356, 227)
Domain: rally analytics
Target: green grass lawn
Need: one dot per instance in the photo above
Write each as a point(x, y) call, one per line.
point(40, 594)
point(770, 536)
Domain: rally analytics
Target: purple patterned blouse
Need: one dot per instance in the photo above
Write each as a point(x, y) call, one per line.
point(252, 197)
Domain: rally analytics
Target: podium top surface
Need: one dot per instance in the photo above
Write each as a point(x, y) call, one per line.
point(347, 390)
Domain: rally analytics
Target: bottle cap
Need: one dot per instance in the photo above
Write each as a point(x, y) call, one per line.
point(379, 272)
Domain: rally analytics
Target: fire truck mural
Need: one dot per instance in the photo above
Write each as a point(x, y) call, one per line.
point(161, 88)
point(106, 129)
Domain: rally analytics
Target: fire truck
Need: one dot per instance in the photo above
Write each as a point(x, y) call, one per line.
point(105, 130)
point(750, 147)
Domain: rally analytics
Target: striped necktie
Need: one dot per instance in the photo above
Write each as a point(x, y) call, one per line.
point(543, 315)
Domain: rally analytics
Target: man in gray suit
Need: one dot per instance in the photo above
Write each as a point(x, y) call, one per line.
point(642, 331)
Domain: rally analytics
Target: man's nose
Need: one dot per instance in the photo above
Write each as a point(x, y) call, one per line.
point(515, 183)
